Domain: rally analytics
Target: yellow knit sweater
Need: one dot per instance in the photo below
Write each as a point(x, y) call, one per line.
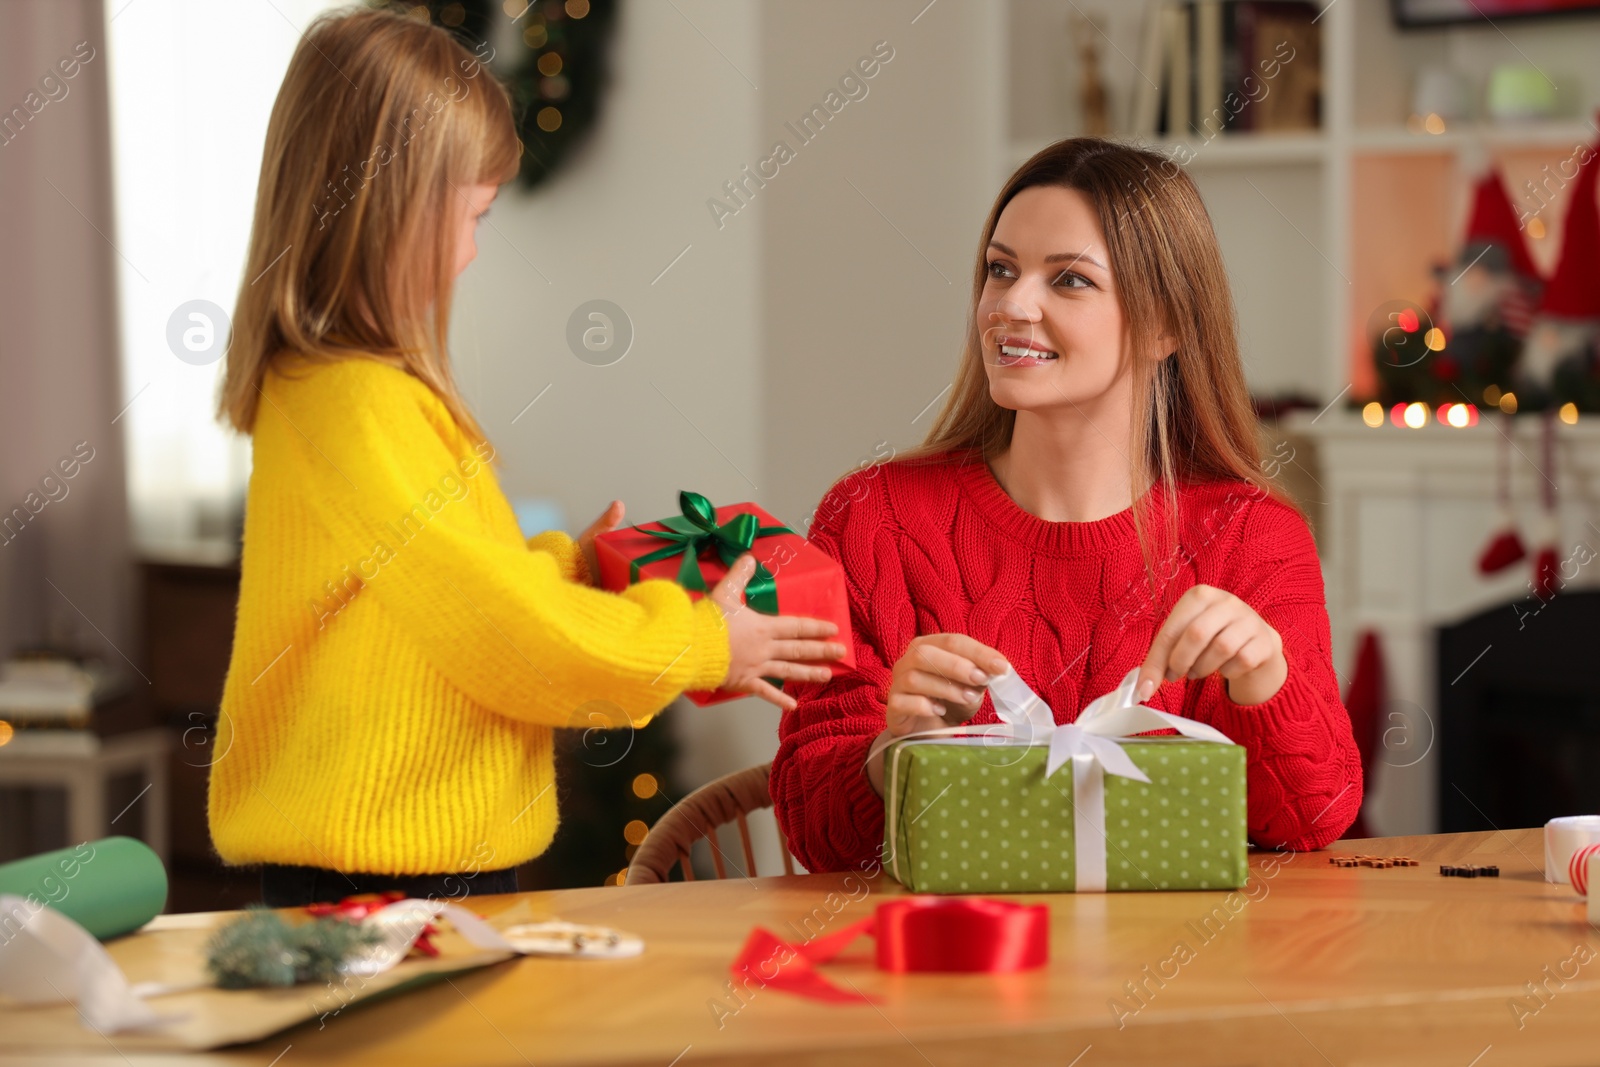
point(401, 654)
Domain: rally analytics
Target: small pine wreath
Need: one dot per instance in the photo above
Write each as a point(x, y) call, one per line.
point(260, 949)
point(557, 83)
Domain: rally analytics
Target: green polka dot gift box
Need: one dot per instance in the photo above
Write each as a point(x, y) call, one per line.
point(1027, 806)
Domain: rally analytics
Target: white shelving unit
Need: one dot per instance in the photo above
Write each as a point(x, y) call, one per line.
point(1224, 150)
point(1287, 206)
point(1552, 135)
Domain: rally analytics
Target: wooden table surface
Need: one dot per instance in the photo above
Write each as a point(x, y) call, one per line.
point(1312, 964)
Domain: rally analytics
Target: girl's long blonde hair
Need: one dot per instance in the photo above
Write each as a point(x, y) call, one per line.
point(1193, 417)
point(381, 124)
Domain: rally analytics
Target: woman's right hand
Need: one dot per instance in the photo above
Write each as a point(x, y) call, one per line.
point(939, 681)
point(770, 646)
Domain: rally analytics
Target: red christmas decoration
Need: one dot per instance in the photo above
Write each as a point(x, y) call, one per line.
point(355, 908)
point(1505, 547)
point(1494, 221)
point(1478, 285)
point(1546, 574)
point(1547, 567)
point(1566, 325)
point(1364, 700)
point(1572, 292)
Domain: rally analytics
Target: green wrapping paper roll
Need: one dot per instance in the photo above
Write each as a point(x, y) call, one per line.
point(109, 887)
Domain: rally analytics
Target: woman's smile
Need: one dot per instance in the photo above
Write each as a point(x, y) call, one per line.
point(1017, 351)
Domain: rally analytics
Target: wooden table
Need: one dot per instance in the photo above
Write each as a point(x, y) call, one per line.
point(1311, 964)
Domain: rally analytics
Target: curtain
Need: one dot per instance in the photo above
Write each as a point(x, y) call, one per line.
point(64, 560)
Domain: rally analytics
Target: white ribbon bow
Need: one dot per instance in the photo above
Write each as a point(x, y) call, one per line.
point(1091, 745)
point(45, 957)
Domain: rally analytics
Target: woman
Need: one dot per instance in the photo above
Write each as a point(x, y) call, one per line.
point(1089, 501)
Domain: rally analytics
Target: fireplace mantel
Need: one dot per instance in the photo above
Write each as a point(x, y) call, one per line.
point(1401, 519)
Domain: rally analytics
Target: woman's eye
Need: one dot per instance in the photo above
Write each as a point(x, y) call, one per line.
point(998, 269)
point(1069, 280)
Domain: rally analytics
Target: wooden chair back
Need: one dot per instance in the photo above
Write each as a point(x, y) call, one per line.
point(727, 800)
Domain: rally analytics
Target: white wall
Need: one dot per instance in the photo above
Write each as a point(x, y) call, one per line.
point(607, 226)
point(873, 230)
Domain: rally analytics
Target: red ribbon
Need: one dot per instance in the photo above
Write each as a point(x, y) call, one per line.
point(1578, 868)
point(914, 933)
point(354, 909)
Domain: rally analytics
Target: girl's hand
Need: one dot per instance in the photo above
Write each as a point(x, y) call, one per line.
point(609, 520)
point(939, 681)
point(770, 646)
point(1210, 630)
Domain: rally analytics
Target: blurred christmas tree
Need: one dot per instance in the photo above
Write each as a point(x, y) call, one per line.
point(612, 784)
point(1414, 361)
point(557, 78)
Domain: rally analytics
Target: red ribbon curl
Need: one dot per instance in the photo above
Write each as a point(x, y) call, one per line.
point(914, 934)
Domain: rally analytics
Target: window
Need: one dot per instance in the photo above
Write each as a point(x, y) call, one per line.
point(192, 85)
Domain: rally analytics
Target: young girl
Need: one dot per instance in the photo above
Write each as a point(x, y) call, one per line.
point(1089, 501)
point(401, 654)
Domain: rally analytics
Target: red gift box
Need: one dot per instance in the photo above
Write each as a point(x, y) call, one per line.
point(696, 548)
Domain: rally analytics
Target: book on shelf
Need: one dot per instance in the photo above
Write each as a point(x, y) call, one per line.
point(1176, 73)
point(40, 692)
point(1236, 65)
point(1208, 39)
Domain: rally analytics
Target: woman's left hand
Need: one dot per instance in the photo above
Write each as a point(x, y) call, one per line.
point(609, 520)
point(1210, 630)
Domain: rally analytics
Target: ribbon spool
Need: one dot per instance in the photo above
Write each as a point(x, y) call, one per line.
point(922, 933)
point(914, 934)
point(1563, 837)
point(1578, 868)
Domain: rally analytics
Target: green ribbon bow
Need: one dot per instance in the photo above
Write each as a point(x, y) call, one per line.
point(696, 531)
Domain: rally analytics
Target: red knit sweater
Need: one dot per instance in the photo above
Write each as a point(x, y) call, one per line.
point(941, 548)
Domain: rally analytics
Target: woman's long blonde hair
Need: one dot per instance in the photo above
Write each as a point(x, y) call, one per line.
point(381, 124)
point(1198, 423)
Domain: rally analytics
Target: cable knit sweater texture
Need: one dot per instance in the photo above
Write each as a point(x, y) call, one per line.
point(941, 548)
point(401, 654)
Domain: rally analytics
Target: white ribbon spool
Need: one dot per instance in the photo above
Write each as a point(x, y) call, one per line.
point(1563, 837)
